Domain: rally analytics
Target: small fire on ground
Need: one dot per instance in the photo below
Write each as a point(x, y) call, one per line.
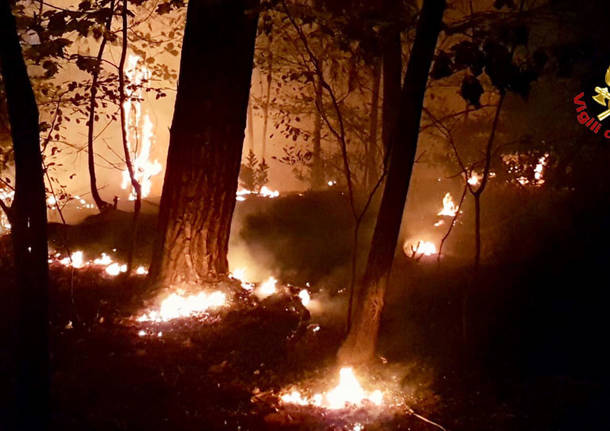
point(264, 192)
point(178, 304)
point(348, 393)
point(77, 260)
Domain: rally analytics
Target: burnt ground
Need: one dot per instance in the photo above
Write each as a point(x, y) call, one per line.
point(534, 359)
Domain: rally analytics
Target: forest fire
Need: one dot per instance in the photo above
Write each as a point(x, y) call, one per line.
point(203, 205)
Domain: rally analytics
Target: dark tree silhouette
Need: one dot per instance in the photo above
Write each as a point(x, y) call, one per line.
point(28, 216)
point(359, 345)
point(206, 140)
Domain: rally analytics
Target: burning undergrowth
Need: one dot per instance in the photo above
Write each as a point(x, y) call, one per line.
point(346, 398)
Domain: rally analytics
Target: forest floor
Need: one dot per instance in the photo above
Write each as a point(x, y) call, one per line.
point(225, 371)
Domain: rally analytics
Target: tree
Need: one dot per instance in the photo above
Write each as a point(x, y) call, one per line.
point(206, 140)
point(359, 345)
point(29, 223)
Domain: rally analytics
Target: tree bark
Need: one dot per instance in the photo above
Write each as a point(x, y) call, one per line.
point(392, 69)
point(371, 148)
point(361, 340)
point(267, 99)
point(250, 125)
point(206, 141)
point(29, 235)
point(317, 169)
point(137, 205)
point(99, 202)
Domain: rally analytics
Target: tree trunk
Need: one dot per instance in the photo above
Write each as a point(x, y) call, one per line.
point(99, 202)
point(124, 129)
point(206, 141)
point(29, 218)
point(250, 125)
point(371, 148)
point(267, 100)
point(392, 69)
point(361, 340)
point(317, 169)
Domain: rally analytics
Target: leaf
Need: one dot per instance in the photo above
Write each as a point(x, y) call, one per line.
point(471, 90)
point(442, 67)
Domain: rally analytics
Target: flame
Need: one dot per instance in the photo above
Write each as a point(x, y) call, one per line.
point(267, 288)
point(139, 130)
point(7, 196)
point(347, 393)
point(115, 269)
point(240, 275)
point(176, 305)
point(425, 248)
point(449, 208)
point(264, 192)
point(77, 260)
point(305, 297)
point(474, 179)
point(268, 193)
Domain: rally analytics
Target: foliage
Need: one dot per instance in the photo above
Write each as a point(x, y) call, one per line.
point(253, 174)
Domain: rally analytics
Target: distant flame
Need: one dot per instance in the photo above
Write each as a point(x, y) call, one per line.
point(424, 248)
point(474, 179)
point(139, 131)
point(264, 192)
point(449, 208)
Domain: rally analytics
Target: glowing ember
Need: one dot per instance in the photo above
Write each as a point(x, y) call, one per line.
point(139, 130)
point(347, 393)
point(305, 297)
point(449, 208)
point(267, 288)
point(176, 306)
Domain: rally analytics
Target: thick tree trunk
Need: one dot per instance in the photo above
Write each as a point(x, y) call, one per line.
point(371, 148)
point(392, 69)
point(29, 218)
point(99, 202)
point(361, 340)
point(317, 168)
point(206, 142)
